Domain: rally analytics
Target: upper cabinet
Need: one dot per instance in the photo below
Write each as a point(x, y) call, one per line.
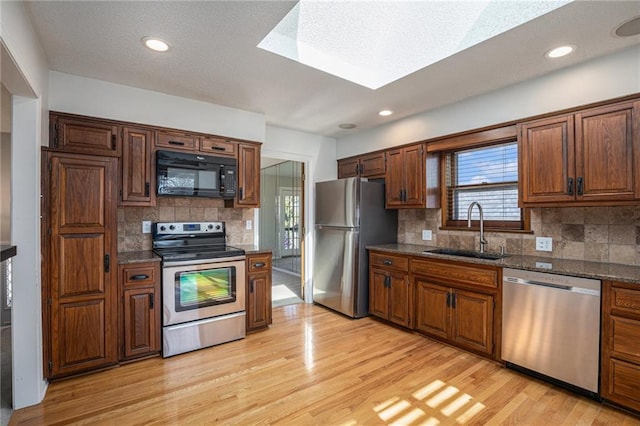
point(136, 189)
point(176, 140)
point(248, 193)
point(369, 166)
point(219, 146)
point(85, 136)
point(411, 178)
point(591, 157)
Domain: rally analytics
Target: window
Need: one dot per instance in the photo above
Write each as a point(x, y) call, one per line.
point(488, 175)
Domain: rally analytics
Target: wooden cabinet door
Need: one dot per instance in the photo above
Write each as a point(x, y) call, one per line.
point(547, 160)
point(140, 327)
point(378, 294)
point(432, 311)
point(348, 168)
point(86, 136)
point(608, 153)
point(248, 175)
point(394, 180)
point(176, 140)
point(400, 299)
point(258, 291)
point(414, 181)
point(472, 320)
point(372, 165)
point(83, 263)
point(136, 168)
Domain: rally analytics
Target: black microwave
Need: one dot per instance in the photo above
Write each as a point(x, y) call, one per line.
point(194, 175)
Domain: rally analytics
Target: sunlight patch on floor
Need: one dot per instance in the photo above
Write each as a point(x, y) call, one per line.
point(281, 292)
point(436, 395)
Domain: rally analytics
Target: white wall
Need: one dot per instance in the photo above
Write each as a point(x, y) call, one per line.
point(600, 79)
point(25, 74)
point(86, 96)
point(318, 153)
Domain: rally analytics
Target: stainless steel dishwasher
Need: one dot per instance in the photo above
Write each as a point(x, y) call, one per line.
point(551, 326)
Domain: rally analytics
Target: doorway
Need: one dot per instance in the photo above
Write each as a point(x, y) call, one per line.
point(281, 226)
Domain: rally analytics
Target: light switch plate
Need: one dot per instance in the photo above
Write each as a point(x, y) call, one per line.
point(249, 225)
point(544, 243)
point(427, 235)
point(146, 226)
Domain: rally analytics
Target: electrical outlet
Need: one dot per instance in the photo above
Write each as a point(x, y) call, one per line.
point(544, 243)
point(427, 235)
point(146, 226)
point(249, 225)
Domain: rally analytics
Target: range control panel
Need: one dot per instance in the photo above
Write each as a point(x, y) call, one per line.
point(176, 228)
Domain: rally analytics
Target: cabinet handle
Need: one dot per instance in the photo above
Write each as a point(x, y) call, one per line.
point(241, 193)
point(251, 286)
point(453, 300)
point(218, 148)
point(147, 188)
point(387, 262)
point(361, 171)
point(570, 186)
point(138, 277)
point(113, 142)
point(387, 281)
point(259, 265)
point(580, 186)
point(448, 300)
point(106, 263)
point(357, 170)
point(401, 195)
point(151, 301)
point(176, 143)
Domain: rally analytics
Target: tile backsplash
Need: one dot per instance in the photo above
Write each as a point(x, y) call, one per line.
point(181, 209)
point(603, 234)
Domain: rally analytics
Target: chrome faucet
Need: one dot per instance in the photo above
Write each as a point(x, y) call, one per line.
point(482, 240)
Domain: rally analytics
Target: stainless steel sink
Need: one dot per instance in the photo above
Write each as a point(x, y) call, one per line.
point(467, 253)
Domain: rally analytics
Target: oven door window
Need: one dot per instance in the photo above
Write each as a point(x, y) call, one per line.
point(208, 287)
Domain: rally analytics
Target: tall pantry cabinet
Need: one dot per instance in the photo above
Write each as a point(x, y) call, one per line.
point(80, 262)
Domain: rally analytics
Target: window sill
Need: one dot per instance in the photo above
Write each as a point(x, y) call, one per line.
point(501, 230)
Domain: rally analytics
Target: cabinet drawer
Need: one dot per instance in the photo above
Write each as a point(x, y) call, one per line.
point(176, 141)
point(219, 146)
point(624, 382)
point(259, 262)
point(140, 274)
point(625, 300)
point(625, 338)
point(389, 261)
point(475, 275)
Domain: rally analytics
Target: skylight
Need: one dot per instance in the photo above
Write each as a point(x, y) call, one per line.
point(373, 43)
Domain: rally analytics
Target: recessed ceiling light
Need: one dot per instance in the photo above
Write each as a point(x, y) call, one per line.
point(385, 112)
point(155, 44)
point(347, 126)
point(559, 52)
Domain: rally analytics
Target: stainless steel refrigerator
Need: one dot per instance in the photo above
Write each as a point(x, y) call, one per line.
point(350, 215)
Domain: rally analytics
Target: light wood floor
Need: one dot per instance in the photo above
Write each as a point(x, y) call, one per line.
point(316, 367)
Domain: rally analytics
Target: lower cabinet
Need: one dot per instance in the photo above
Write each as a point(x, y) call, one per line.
point(390, 291)
point(141, 306)
point(621, 344)
point(258, 291)
point(462, 317)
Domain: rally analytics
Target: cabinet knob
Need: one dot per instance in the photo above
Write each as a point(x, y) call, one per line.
point(387, 262)
point(259, 265)
point(138, 277)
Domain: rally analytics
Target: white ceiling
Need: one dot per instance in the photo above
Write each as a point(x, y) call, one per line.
point(214, 58)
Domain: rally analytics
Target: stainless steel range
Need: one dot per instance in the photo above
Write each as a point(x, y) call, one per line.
point(203, 286)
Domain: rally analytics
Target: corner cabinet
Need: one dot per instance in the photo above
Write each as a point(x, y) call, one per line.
point(258, 303)
point(591, 157)
point(140, 310)
point(621, 344)
point(390, 291)
point(80, 263)
point(370, 166)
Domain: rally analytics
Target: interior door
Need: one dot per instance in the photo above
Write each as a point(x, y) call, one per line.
point(290, 220)
point(83, 263)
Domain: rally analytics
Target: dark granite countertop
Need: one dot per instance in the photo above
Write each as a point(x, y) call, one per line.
point(251, 248)
point(126, 257)
point(7, 251)
point(577, 268)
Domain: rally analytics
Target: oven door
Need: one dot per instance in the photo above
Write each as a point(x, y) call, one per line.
point(195, 290)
